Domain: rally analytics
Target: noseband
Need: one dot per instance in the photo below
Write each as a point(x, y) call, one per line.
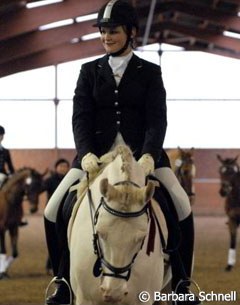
point(117, 272)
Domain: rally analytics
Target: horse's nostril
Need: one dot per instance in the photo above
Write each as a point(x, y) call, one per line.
point(126, 293)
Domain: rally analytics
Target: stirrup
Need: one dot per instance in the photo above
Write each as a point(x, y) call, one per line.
point(57, 280)
point(191, 281)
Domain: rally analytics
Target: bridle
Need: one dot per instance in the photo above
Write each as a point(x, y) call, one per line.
point(227, 172)
point(116, 272)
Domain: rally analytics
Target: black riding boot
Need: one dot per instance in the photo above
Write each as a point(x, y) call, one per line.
point(52, 244)
point(181, 261)
point(61, 296)
point(180, 244)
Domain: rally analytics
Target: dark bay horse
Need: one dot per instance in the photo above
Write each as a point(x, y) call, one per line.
point(25, 182)
point(182, 163)
point(230, 189)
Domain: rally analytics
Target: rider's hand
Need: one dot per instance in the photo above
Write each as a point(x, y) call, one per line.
point(90, 163)
point(147, 163)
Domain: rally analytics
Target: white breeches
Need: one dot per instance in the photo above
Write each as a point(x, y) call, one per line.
point(165, 175)
point(3, 177)
point(177, 193)
point(53, 204)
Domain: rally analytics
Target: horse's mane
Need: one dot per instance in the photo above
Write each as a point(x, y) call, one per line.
point(126, 194)
point(126, 156)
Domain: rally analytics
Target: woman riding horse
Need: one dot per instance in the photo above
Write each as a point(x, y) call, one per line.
point(6, 165)
point(119, 99)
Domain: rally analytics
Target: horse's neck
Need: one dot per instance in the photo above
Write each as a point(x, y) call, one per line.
point(14, 186)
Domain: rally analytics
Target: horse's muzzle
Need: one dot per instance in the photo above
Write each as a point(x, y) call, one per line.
point(114, 295)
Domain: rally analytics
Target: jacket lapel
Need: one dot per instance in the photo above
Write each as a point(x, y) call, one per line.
point(132, 70)
point(105, 71)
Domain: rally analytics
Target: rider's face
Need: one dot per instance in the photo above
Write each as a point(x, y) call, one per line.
point(114, 39)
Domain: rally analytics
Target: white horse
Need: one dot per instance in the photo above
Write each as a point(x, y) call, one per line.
point(116, 267)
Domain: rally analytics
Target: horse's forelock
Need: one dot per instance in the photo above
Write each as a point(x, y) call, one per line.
point(127, 195)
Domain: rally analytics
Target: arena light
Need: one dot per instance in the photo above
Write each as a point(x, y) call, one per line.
point(56, 24)
point(90, 36)
point(231, 34)
point(42, 3)
point(86, 17)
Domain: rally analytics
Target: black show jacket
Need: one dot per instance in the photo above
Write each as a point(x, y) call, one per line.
point(136, 108)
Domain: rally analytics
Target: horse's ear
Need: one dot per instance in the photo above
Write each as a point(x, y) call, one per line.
point(150, 188)
point(219, 158)
point(236, 158)
point(107, 190)
point(104, 186)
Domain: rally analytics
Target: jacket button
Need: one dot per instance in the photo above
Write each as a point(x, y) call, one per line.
point(116, 104)
point(118, 112)
point(118, 122)
point(116, 91)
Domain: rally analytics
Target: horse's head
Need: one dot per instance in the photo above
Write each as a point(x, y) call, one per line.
point(121, 223)
point(186, 162)
point(121, 227)
point(33, 188)
point(185, 168)
point(228, 169)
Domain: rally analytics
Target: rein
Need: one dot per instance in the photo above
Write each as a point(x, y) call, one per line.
point(117, 272)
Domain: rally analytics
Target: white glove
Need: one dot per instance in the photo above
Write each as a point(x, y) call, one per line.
point(147, 163)
point(90, 163)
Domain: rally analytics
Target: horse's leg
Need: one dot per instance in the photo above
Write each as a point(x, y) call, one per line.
point(14, 239)
point(232, 224)
point(3, 256)
point(5, 261)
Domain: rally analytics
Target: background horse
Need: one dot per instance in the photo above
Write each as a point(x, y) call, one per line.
point(230, 189)
point(116, 214)
point(25, 182)
point(182, 163)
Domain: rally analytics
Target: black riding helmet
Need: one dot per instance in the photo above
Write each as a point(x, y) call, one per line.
point(2, 131)
point(115, 13)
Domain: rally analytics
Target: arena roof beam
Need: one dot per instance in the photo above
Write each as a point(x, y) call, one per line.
point(200, 34)
point(214, 15)
point(21, 46)
point(54, 56)
point(27, 20)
